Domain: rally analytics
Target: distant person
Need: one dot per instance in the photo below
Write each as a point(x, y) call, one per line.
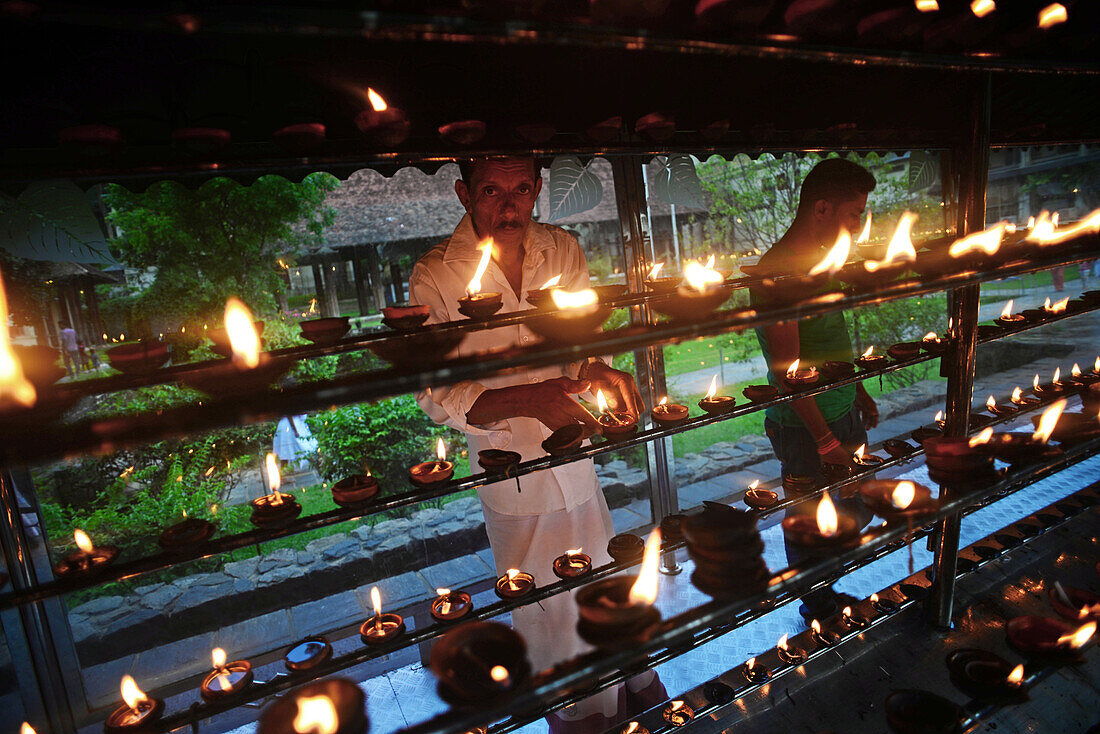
point(831, 426)
point(70, 350)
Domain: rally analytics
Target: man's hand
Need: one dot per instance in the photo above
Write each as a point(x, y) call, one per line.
point(618, 388)
point(865, 404)
point(548, 402)
point(839, 456)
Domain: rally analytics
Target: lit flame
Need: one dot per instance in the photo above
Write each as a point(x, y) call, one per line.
point(982, 8)
point(988, 240)
point(846, 612)
point(701, 277)
point(631, 728)
point(553, 282)
point(710, 260)
point(1046, 304)
point(217, 656)
point(782, 642)
point(1096, 365)
point(939, 416)
point(1049, 421)
point(601, 402)
point(131, 694)
point(26, 729)
point(869, 351)
point(865, 235)
point(1060, 306)
point(1016, 677)
point(677, 705)
point(242, 334)
point(486, 248)
point(1035, 381)
point(755, 483)
point(1044, 232)
point(573, 552)
point(901, 246)
point(316, 715)
point(874, 598)
point(443, 592)
point(440, 450)
point(377, 102)
point(274, 481)
point(664, 401)
point(991, 403)
point(1079, 637)
point(713, 388)
point(655, 269)
point(511, 573)
point(930, 337)
point(644, 590)
point(981, 438)
point(860, 450)
point(793, 368)
point(1052, 15)
point(499, 673)
point(312, 306)
point(927, 6)
point(12, 380)
point(903, 496)
point(1075, 370)
point(836, 257)
point(1007, 309)
point(376, 600)
point(585, 299)
point(827, 522)
point(750, 664)
point(83, 542)
point(816, 627)
point(1017, 395)
point(1057, 375)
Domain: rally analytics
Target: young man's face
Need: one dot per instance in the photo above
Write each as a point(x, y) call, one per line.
point(830, 216)
point(500, 198)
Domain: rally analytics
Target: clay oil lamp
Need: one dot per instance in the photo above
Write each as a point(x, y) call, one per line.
point(1073, 383)
point(479, 662)
point(139, 713)
point(833, 370)
point(614, 425)
point(715, 404)
point(380, 628)
point(1085, 378)
point(760, 393)
point(1018, 398)
point(566, 440)
point(307, 654)
point(912, 711)
point(1090, 399)
point(1010, 320)
point(1048, 389)
point(899, 254)
point(87, 558)
point(672, 527)
point(275, 509)
point(572, 563)
point(851, 620)
point(824, 531)
point(540, 297)
point(325, 331)
point(904, 350)
point(578, 317)
point(1020, 448)
point(475, 304)
point(618, 612)
point(988, 331)
point(301, 139)
point(823, 637)
point(760, 499)
point(893, 499)
point(384, 125)
point(657, 284)
point(886, 606)
point(801, 378)
point(191, 532)
point(668, 415)
point(871, 361)
point(226, 679)
point(836, 473)
point(898, 448)
point(932, 343)
point(1000, 410)
point(1045, 636)
point(677, 714)
point(498, 461)
point(986, 676)
point(355, 491)
point(626, 547)
point(959, 458)
point(462, 132)
point(433, 473)
point(514, 584)
point(405, 318)
point(1076, 605)
point(977, 250)
point(138, 358)
point(1058, 308)
point(450, 606)
point(1068, 428)
point(703, 292)
point(866, 461)
point(755, 673)
point(790, 654)
point(330, 706)
point(239, 339)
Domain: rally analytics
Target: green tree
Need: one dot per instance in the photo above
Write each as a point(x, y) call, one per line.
point(218, 240)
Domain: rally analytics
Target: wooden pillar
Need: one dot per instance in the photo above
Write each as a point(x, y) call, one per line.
point(374, 267)
point(359, 274)
point(95, 319)
point(331, 305)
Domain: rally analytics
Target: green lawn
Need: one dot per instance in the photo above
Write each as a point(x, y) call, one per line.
point(701, 353)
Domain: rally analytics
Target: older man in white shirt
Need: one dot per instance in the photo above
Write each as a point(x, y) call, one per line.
point(555, 509)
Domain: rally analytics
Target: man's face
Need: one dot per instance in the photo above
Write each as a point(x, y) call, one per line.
point(830, 216)
point(500, 198)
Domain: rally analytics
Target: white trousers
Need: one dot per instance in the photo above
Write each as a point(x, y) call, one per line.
point(531, 543)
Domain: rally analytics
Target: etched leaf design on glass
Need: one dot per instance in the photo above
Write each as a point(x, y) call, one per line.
point(573, 188)
point(677, 183)
point(922, 171)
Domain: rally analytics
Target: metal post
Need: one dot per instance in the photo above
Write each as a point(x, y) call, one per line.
point(973, 161)
point(649, 363)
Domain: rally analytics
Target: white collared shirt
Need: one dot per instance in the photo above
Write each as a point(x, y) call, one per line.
point(438, 280)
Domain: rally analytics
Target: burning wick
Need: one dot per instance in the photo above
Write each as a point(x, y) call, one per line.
point(1077, 639)
point(445, 605)
point(927, 6)
point(901, 246)
point(552, 283)
point(12, 380)
point(644, 590)
point(901, 498)
point(865, 235)
point(440, 454)
point(655, 269)
point(788, 654)
point(836, 257)
point(512, 573)
point(242, 334)
point(574, 556)
point(273, 481)
point(827, 522)
point(1016, 677)
point(316, 715)
point(982, 8)
point(981, 438)
point(1048, 422)
point(1052, 15)
point(605, 412)
point(499, 674)
point(376, 601)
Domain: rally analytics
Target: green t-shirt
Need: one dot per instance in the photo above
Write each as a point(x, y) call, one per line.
point(820, 339)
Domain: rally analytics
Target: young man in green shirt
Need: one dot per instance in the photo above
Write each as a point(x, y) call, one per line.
point(831, 426)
